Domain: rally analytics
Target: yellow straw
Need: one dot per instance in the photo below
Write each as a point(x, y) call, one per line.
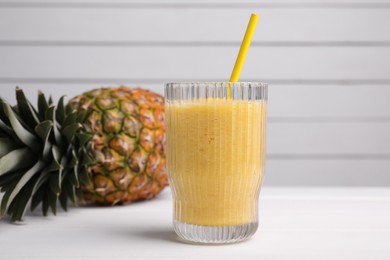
point(246, 42)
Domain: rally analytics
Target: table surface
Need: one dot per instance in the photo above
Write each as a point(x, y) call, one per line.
point(295, 223)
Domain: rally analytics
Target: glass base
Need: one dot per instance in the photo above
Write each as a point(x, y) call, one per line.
point(214, 234)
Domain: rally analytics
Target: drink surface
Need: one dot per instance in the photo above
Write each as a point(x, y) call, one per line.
point(216, 154)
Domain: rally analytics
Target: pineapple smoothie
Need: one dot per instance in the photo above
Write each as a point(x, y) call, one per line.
point(216, 154)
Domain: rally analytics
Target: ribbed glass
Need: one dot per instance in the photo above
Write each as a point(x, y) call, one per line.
point(215, 158)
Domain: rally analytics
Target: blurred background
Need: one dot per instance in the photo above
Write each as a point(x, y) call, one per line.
point(327, 63)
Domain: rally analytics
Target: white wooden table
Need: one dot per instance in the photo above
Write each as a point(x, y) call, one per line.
point(295, 223)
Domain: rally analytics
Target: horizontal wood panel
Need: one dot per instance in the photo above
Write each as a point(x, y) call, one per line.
point(327, 173)
point(189, 2)
point(290, 103)
point(302, 139)
point(192, 25)
point(322, 139)
point(194, 63)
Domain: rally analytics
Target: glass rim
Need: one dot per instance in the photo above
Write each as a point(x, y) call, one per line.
point(257, 83)
point(186, 91)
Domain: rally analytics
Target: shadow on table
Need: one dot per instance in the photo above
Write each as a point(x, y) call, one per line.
point(167, 235)
point(163, 235)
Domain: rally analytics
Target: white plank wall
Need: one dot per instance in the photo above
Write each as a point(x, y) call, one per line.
point(327, 62)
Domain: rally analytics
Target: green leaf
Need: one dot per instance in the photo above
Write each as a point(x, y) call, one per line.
point(52, 201)
point(63, 201)
point(69, 189)
point(84, 177)
point(39, 190)
point(3, 115)
point(45, 202)
point(83, 138)
point(64, 163)
point(50, 115)
point(86, 159)
point(57, 153)
point(7, 193)
point(52, 167)
point(81, 115)
point(6, 146)
point(5, 131)
point(25, 178)
point(70, 119)
point(50, 100)
point(73, 177)
point(69, 109)
point(24, 135)
point(54, 170)
point(55, 182)
point(73, 160)
point(6, 179)
point(26, 110)
point(43, 130)
point(21, 202)
point(70, 131)
point(42, 105)
point(60, 111)
point(15, 160)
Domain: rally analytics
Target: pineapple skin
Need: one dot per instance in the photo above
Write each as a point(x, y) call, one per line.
point(128, 144)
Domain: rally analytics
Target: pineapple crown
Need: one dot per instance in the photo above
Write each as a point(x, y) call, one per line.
point(43, 155)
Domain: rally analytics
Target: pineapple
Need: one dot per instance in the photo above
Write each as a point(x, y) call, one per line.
point(105, 146)
point(128, 144)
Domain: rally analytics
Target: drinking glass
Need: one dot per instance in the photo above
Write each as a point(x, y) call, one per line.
point(215, 158)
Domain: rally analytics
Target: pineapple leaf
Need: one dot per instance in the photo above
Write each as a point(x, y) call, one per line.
point(8, 133)
point(81, 115)
point(86, 159)
point(56, 152)
point(21, 183)
point(52, 201)
point(43, 130)
point(55, 182)
point(50, 100)
point(25, 136)
point(83, 176)
point(70, 119)
point(68, 109)
point(42, 105)
point(54, 166)
point(70, 131)
point(39, 190)
point(60, 111)
point(50, 115)
point(21, 202)
point(15, 160)
point(63, 201)
point(73, 159)
point(55, 171)
point(6, 179)
point(45, 202)
point(74, 177)
point(5, 131)
point(26, 110)
point(83, 138)
point(6, 146)
point(70, 190)
point(8, 191)
point(3, 115)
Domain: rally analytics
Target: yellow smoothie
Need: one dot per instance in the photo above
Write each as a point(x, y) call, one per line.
point(216, 155)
